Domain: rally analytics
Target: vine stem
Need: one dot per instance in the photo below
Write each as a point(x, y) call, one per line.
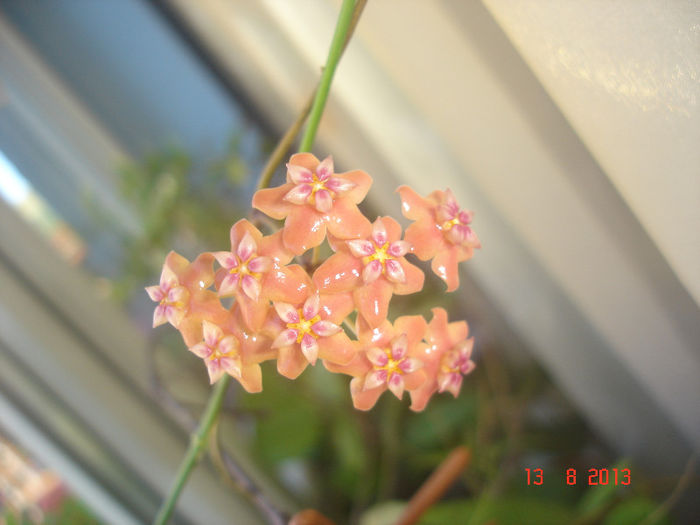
point(347, 20)
point(324, 86)
point(198, 441)
point(285, 142)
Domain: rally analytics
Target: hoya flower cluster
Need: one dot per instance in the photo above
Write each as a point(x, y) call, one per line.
point(282, 312)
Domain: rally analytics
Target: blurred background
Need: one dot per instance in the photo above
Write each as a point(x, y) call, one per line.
point(132, 127)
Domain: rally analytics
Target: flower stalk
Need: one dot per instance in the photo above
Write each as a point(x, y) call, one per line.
point(198, 442)
point(336, 50)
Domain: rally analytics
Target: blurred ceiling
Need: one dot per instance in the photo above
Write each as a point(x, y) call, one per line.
point(572, 132)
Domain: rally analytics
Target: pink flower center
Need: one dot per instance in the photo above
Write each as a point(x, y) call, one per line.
point(304, 326)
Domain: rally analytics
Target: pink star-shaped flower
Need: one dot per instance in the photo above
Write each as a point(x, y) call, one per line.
point(388, 360)
point(374, 268)
point(315, 199)
point(181, 284)
point(447, 358)
point(254, 272)
point(227, 347)
point(441, 232)
point(309, 330)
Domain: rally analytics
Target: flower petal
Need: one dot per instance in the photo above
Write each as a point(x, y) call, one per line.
point(377, 356)
point(413, 206)
point(287, 312)
point(325, 168)
point(211, 333)
point(285, 338)
point(346, 221)
point(363, 399)
point(362, 182)
point(251, 287)
point(155, 293)
point(361, 248)
point(323, 201)
point(396, 385)
point(229, 345)
point(450, 382)
point(304, 229)
point(201, 350)
point(227, 260)
point(168, 278)
point(336, 307)
point(339, 273)
point(379, 232)
point(337, 349)
point(215, 370)
point(372, 301)
point(410, 364)
point(325, 328)
point(159, 316)
point(415, 278)
point(311, 306)
point(394, 271)
point(374, 379)
point(299, 194)
point(425, 237)
point(399, 347)
point(371, 272)
point(246, 248)
point(230, 366)
point(260, 264)
point(309, 346)
point(445, 267)
point(251, 378)
point(339, 185)
point(414, 326)
point(399, 248)
point(299, 174)
point(271, 201)
point(229, 285)
point(174, 315)
point(289, 284)
point(291, 362)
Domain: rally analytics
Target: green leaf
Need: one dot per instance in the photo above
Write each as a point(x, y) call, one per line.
point(385, 513)
point(504, 511)
point(598, 496)
point(291, 431)
point(633, 511)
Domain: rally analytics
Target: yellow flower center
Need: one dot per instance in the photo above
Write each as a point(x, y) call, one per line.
point(447, 225)
point(392, 365)
point(316, 186)
point(303, 327)
point(380, 254)
point(243, 269)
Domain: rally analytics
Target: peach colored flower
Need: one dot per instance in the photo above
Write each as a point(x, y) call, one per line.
point(228, 348)
point(374, 268)
point(440, 232)
point(315, 199)
point(310, 329)
point(447, 358)
point(182, 284)
point(388, 360)
point(254, 272)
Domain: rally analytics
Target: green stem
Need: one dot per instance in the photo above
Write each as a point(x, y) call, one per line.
point(198, 442)
point(336, 49)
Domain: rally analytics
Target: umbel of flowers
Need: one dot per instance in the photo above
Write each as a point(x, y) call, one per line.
point(281, 312)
